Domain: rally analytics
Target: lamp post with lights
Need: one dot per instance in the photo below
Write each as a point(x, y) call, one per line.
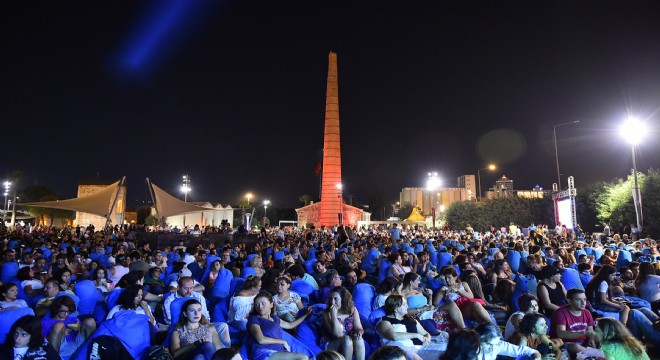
point(633, 132)
point(7, 188)
point(554, 141)
point(490, 167)
point(432, 183)
point(185, 188)
point(266, 203)
point(340, 195)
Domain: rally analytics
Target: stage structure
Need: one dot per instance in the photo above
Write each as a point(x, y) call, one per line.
point(564, 201)
point(331, 210)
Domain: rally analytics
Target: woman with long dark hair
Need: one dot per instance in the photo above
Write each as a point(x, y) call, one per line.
point(132, 299)
point(599, 293)
point(532, 332)
point(647, 284)
point(459, 292)
point(26, 341)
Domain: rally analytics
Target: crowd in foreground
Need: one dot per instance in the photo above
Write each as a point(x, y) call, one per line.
point(330, 293)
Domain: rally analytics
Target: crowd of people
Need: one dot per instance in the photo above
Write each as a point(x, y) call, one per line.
point(330, 293)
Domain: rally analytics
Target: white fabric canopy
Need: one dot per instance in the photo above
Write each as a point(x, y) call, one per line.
point(98, 203)
point(167, 205)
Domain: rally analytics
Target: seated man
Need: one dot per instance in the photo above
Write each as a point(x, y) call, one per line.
point(574, 324)
point(332, 280)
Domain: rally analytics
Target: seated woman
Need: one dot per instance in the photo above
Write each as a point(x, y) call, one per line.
point(532, 332)
point(9, 294)
point(31, 285)
point(131, 299)
point(459, 292)
point(397, 328)
point(500, 310)
point(528, 304)
point(194, 338)
point(551, 291)
point(287, 303)
point(99, 277)
point(342, 329)
point(396, 269)
point(64, 277)
point(265, 332)
point(25, 341)
point(241, 303)
point(598, 293)
point(64, 331)
point(258, 264)
point(616, 341)
point(216, 266)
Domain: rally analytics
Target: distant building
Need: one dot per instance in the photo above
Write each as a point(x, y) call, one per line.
point(211, 216)
point(441, 198)
point(504, 188)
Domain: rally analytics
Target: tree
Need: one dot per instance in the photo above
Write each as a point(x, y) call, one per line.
point(305, 200)
point(378, 206)
point(143, 213)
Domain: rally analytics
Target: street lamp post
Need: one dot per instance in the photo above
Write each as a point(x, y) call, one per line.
point(186, 189)
point(266, 203)
point(554, 141)
point(633, 131)
point(7, 188)
point(432, 183)
point(490, 167)
point(340, 215)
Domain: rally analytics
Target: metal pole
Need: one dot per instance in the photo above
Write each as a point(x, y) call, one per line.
point(637, 199)
point(479, 177)
point(554, 140)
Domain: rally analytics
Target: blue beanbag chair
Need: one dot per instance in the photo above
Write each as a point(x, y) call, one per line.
point(570, 278)
point(132, 329)
point(220, 289)
point(363, 296)
point(444, 258)
point(513, 257)
point(384, 269)
point(417, 301)
point(9, 271)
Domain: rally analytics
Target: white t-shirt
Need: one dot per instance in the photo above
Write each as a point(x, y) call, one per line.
point(36, 284)
point(117, 308)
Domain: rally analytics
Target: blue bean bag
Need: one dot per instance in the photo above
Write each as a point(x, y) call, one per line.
point(363, 296)
point(444, 258)
point(9, 317)
point(570, 278)
point(370, 262)
point(9, 271)
point(278, 255)
point(520, 288)
point(220, 289)
point(132, 329)
point(309, 265)
point(513, 257)
point(247, 271)
point(304, 289)
point(92, 302)
point(113, 297)
point(375, 316)
point(625, 257)
point(175, 311)
point(383, 270)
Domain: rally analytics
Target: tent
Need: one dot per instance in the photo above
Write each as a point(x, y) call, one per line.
point(416, 216)
point(100, 203)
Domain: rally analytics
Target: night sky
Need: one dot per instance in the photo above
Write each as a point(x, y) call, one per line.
point(233, 92)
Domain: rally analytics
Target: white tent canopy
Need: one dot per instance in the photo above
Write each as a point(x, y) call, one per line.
point(167, 205)
point(99, 203)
